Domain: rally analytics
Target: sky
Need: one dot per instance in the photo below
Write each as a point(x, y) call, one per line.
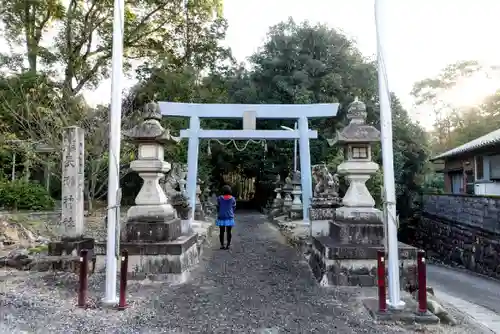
point(422, 37)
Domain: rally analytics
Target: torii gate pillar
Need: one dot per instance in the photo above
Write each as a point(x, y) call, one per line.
point(305, 167)
point(193, 153)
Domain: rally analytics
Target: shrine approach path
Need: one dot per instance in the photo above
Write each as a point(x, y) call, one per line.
point(261, 285)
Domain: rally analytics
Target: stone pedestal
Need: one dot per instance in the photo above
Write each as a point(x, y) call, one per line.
point(164, 261)
point(326, 197)
point(323, 208)
point(335, 263)
point(158, 247)
point(348, 256)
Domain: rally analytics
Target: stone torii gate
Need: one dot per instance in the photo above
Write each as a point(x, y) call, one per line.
point(249, 113)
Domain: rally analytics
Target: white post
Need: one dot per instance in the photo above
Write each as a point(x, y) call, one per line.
point(295, 151)
point(115, 120)
point(305, 167)
point(387, 160)
point(13, 166)
point(193, 148)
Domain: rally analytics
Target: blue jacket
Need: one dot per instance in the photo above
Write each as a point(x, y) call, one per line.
point(226, 205)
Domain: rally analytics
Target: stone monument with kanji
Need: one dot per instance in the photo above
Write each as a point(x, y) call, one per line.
point(65, 252)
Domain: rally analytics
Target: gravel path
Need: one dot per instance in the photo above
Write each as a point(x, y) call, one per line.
point(259, 286)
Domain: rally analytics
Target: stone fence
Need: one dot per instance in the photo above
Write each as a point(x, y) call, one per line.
point(461, 230)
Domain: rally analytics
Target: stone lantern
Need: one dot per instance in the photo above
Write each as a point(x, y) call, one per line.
point(153, 235)
point(348, 255)
point(198, 209)
point(296, 207)
point(287, 190)
point(277, 201)
point(357, 139)
point(151, 201)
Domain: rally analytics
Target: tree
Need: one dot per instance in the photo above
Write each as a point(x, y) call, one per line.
point(455, 124)
point(38, 101)
point(25, 23)
point(31, 110)
point(155, 30)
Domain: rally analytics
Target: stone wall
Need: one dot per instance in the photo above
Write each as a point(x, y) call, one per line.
point(461, 230)
point(32, 215)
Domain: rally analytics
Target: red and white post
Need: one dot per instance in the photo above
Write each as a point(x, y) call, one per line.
point(122, 304)
point(382, 302)
point(83, 283)
point(422, 282)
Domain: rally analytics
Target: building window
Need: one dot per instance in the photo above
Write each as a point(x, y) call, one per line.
point(479, 168)
point(457, 181)
point(494, 167)
point(360, 152)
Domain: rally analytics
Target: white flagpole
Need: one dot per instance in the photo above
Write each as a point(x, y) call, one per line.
point(387, 160)
point(115, 120)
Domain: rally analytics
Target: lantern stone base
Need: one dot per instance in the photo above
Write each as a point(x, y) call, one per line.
point(348, 255)
point(152, 223)
point(162, 261)
point(334, 263)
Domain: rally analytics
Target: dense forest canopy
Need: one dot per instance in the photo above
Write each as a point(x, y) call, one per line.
point(182, 59)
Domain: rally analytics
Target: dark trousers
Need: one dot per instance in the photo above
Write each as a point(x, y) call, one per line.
point(225, 230)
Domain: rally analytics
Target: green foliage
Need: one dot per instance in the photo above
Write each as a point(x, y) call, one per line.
point(40, 89)
point(38, 249)
point(433, 183)
point(183, 60)
point(21, 195)
point(455, 125)
point(171, 31)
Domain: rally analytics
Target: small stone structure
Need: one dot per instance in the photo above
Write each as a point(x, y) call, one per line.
point(287, 190)
point(209, 206)
point(326, 197)
point(72, 218)
point(277, 204)
point(157, 246)
point(198, 209)
point(182, 178)
point(347, 256)
point(296, 208)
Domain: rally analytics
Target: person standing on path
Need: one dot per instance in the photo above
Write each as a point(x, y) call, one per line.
point(225, 215)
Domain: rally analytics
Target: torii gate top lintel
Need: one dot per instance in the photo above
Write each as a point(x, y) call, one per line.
point(283, 111)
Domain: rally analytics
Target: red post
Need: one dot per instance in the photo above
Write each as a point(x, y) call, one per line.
point(422, 282)
point(123, 280)
point(382, 303)
point(84, 269)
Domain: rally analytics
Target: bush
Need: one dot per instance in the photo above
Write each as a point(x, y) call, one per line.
point(21, 195)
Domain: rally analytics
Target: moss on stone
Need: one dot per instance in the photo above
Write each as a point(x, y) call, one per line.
point(38, 249)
